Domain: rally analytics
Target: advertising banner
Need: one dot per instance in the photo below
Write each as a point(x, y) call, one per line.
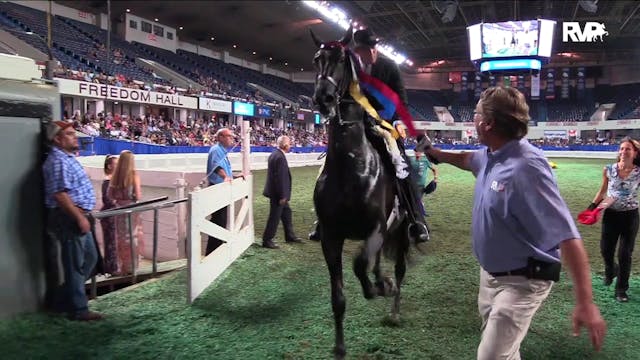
point(492, 80)
point(564, 83)
point(215, 105)
point(580, 83)
point(264, 111)
point(521, 85)
point(108, 92)
point(556, 134)
point(535, 87)
point(243, 108)
point(550, 89)
point(464, 87)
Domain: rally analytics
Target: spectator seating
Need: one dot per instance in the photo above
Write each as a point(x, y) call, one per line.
point(81, 46)
point(423, 101)
point(626, 97)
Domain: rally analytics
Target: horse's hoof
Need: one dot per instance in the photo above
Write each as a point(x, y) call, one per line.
point(391, 320)
point(387, 286)
point(339, 353)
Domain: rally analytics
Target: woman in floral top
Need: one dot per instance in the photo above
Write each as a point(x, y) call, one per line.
point(620, 220)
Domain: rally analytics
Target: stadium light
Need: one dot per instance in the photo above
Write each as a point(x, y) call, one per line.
point(339, 17)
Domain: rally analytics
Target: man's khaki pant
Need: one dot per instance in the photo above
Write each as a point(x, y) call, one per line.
point(507, 305)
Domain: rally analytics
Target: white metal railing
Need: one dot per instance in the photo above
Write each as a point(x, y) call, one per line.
point(153, 204)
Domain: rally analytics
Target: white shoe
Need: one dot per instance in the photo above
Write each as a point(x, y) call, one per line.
point(401, 166)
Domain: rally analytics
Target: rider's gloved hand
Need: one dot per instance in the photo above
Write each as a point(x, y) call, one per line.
point(424, 143)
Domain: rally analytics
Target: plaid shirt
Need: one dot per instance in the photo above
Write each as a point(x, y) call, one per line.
point(63, 172)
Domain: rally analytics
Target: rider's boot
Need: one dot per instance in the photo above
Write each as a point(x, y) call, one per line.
point(409, 200)
point(314, 234)
point(417, 229)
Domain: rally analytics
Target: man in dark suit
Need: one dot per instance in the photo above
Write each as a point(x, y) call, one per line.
point(278, 190)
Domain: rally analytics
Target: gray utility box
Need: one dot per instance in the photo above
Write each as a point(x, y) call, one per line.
point(26, 105)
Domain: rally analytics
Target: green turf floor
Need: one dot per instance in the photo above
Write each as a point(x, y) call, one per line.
point(274, 304)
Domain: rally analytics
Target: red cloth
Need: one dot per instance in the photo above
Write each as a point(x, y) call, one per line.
point(589, 217)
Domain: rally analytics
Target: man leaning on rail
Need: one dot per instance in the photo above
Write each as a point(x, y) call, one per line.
point(69, 197)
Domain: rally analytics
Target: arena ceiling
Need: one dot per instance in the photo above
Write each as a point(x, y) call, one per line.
point(277, 31)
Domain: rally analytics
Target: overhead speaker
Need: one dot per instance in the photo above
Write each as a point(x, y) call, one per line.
point(590, 6)
point(450, 12)
point(448, 9)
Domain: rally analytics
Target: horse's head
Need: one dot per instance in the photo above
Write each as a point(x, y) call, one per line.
point(333, 73)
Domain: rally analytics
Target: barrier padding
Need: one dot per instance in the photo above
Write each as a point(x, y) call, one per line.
point(101, 146)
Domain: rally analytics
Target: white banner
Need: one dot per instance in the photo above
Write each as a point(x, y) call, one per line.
point(108, 92)
point(562, 134)
point(535, 86)
point(215, 105)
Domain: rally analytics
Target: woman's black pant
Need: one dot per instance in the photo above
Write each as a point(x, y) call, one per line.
point(622, 226)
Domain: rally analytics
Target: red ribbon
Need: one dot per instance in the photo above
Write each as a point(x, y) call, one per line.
point(386, 91)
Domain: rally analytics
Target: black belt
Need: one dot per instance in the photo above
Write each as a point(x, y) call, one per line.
point(517, 272)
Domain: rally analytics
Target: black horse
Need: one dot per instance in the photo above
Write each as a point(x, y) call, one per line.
point(355, 194)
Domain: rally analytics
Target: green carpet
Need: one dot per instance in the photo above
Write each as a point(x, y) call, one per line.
point(274, 304)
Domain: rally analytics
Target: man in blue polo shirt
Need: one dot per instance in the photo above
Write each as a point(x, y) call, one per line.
point(520, 226)
point(69, 196)
point(219, 171)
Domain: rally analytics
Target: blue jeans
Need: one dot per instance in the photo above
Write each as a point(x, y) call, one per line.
point(76, 257)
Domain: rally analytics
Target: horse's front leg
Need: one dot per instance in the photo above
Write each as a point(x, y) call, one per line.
point(400, 271)
point(371, 249)
point(332, 250)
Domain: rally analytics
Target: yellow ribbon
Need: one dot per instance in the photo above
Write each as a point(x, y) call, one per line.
point(356, 94)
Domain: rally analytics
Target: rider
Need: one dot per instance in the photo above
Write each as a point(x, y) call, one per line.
point(388, 72)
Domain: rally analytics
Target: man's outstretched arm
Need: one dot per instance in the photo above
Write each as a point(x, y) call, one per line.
point(460, 160)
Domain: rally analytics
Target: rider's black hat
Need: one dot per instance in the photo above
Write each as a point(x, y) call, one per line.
point(364, 38)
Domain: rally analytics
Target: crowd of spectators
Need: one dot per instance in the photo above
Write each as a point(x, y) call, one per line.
point(155, 129)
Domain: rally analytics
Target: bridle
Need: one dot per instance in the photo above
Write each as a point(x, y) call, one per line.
point(341, 87)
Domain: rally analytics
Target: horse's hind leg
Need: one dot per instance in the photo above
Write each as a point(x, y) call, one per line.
point(386, 285)
point(332, 250)
point(361, 263)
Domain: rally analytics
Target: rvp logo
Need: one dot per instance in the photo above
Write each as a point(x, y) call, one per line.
point(592, 31)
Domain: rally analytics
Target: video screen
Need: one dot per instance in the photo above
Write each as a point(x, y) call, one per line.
point(512, 38)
